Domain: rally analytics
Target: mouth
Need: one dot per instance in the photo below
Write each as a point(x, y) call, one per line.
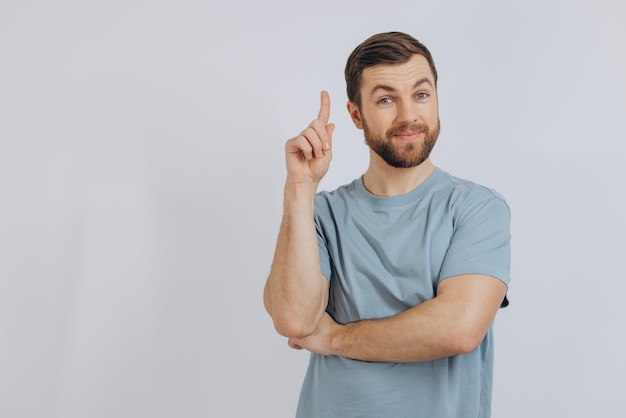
point(409, 133)
point(408, 136)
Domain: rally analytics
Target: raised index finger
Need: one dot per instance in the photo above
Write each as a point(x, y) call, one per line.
point(324, 108)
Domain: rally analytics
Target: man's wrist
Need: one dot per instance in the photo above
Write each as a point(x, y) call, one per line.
point(300, 193)
point(337, 338)
point(301, 186)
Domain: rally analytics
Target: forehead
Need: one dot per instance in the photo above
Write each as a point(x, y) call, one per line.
point(397, 75)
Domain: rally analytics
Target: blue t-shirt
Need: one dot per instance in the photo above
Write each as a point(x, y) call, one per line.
point(384, 255)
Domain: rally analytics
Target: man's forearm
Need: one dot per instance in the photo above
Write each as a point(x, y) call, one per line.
point(418, 334)
point(296, 293)
point(454, 322)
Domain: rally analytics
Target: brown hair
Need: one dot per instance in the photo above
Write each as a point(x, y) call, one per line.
point(383, 48)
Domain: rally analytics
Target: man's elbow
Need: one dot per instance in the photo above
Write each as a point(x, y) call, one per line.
point(465, 341)
point(290, 326)
point(267, 299)
point(287, 322)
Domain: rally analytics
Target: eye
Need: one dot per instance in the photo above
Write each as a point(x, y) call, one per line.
point(384, 101)
point(421, 95)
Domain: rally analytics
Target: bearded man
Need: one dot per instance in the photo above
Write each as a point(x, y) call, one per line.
point(391, 282)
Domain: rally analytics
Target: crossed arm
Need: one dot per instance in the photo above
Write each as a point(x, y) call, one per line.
point(296, 296)
point(296, 293)
point(454, 322)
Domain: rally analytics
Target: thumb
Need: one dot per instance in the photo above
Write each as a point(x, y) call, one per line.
point(329, 130)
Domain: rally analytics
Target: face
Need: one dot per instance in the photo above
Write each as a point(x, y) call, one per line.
point(398, 112)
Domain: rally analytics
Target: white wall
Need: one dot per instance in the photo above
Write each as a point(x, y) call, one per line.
point(141, 174)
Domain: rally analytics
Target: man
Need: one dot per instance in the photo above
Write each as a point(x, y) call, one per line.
point(393, 281)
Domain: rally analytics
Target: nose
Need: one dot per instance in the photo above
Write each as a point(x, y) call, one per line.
point(407, 112)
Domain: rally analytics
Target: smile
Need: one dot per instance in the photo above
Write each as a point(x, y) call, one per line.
point(406, 136)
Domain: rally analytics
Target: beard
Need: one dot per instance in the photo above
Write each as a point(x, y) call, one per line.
point(403, 155)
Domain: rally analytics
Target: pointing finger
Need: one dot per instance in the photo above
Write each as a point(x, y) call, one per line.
point(324, 113)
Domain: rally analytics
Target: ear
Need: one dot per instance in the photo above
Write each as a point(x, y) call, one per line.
point(355, 114)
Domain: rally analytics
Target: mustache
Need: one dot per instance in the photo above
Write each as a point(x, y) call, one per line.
point(415, 127)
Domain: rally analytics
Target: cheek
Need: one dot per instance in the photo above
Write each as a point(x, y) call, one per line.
point(431, 114)
point(380, 121)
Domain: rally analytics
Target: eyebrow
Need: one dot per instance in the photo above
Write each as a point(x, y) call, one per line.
point(385, 87)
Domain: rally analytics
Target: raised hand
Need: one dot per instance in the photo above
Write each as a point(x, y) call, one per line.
point(309, 154)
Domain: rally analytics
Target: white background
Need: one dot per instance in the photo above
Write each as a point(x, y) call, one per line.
point(141, 174)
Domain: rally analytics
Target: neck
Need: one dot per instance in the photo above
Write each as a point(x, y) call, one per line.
point(381, 179)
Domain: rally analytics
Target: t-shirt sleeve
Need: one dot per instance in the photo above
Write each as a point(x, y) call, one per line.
point(481, 240)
